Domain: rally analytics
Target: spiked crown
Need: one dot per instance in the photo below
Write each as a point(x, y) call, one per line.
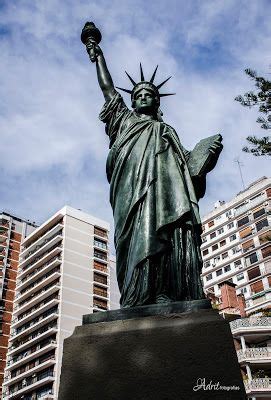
point(143, 84)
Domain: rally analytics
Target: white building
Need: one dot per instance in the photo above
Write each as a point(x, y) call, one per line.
point(237, 245)
point(63, 273)
point(237, 248)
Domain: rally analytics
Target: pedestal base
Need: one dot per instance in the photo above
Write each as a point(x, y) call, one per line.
point(172, 356)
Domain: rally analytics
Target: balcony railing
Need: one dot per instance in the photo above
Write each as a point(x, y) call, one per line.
point(258, 384)
point(37, 270)
point(254, 353)
point(250, 322)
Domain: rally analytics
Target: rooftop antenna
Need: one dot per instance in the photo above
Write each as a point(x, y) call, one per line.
point(240, 164)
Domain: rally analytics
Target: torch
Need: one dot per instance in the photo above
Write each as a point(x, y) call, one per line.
point(90, 33)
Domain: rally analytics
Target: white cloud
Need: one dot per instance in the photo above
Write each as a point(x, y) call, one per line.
point(54, 145)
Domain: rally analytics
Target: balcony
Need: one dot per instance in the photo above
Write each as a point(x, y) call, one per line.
point(45, 257)
point(30, 384)
point(36, 286)
point(42, 321)
point(258, 385)
point(41, 308)
point(37, 273)
point(33, 371)
point(46, 292)
point(11, 365)
point(38, 244)
point(34, 257)
point(33, 339)
point(255, 355)
point(253, 324)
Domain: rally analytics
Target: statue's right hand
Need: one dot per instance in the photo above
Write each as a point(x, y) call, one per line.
point(93, 50)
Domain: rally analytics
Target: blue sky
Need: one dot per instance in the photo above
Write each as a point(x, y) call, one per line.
point(54, 147)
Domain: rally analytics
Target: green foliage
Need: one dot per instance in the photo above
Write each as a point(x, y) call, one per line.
point(262, 99)
point(259, 147)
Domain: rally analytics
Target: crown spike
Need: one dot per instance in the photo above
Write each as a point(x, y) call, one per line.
point(124, 90)
point(141, 73)
point(161, 84)
point(131, 79)
point(153, 75)
point(166, 94)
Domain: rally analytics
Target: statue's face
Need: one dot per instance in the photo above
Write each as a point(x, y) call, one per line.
point(145, 102)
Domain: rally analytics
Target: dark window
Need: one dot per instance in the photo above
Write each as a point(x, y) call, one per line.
point(230, 225)
point(215, 247)
point(232, 237)
point(219, 272)
point(220, 231)
point(209, 277)
point(224, 255)
point(261, 224)
point(243, 221)
point(213, 235)
point(222, 243)
point(253, 273)
point(252, 258)
point(258, 213)
point(227, 268)
point(266, 251)
point(239, 277)
point(211, 223)
point(205, 252)
point(237, 263)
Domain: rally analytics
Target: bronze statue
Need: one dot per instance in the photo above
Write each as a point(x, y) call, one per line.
point(155, 185)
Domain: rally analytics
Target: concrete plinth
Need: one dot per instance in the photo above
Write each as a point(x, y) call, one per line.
point(171, 356)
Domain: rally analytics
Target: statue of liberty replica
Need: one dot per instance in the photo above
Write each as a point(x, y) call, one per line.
point(155, 185)
point(165, 342)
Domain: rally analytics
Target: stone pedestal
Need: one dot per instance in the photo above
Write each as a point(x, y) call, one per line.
point(169, 355)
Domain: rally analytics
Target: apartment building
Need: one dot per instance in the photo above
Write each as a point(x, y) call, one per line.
point(237, 249)
point(237, 245)
point(63, 273)
point(12, 231)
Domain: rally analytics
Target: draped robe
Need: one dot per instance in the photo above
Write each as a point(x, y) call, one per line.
point(155, 207)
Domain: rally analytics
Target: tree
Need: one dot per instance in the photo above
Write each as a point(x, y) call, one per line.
point(262, 99)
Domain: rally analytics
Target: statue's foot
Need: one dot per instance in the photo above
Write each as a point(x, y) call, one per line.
point(163, 298)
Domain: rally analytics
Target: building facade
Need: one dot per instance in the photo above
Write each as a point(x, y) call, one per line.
point(63, 273)
point(237, 249)
point(12, 231)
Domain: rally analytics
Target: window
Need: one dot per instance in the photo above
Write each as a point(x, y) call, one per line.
point(225, 255)
point(208, 277)
point(257, 287)
point(220, 231)
point(258, 213)
point(205, 252)
point(264, 237)
point(213, 235)
point(230, 225)
point(215, 247)
point(207, 264)
point(261, 224)
point(239, 277)
point(242, 221)
point(235, 250)
point(100, 232)
point(253, 273)
point(100, 254)
point(204, 239)
point(237, 263)
point(227, 268)
point(100, 243)
point(268, 192)
point(211, 223)
point(222, 243)
point(228, 213)
point(216, 259)
point(266, 251)
point(219, 272)
point(243, 290)
point(246, 232)
point(232, 237)
point(251, 259)
point(248, 245)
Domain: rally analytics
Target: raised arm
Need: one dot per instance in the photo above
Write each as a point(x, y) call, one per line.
point(104, 77)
